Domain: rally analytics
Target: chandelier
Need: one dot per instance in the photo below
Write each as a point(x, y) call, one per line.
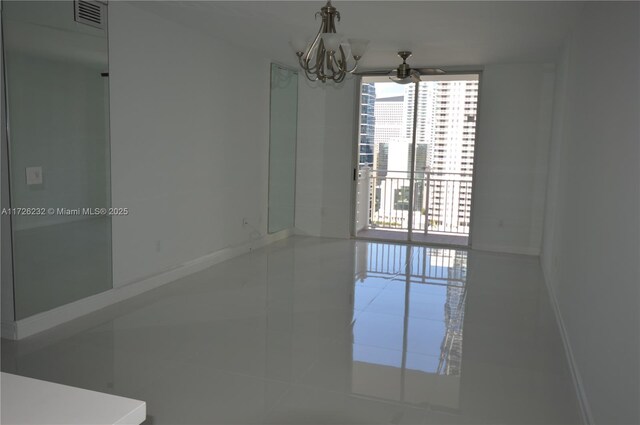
point(326, 57)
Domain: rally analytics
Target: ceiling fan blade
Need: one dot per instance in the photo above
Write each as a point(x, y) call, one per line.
point(397, 80)
point(383, 72)
point(422, 71)
point(431, 71)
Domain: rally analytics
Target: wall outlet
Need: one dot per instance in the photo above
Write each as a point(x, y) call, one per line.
point(34, 175)
point(245, 222)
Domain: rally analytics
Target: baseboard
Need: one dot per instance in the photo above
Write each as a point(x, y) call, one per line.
point(505, 249)
point(46, 320)
point(583, 402)
point(54, 220)
point(8, 330)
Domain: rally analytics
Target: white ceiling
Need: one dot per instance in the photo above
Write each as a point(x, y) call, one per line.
point(438, 33)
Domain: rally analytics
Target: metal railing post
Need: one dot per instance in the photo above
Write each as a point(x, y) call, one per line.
point(426, 209)
point(412, 177)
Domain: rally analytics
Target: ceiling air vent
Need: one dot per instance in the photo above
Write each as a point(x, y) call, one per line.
point(90, 13)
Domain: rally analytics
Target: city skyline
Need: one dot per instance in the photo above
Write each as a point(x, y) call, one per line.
point(444, 149)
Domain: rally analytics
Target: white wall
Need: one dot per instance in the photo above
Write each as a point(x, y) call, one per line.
point(189, 143)
point(514, 120)
point(341, 121)
point(326, 125)
point(591, 245)
point(310, 157)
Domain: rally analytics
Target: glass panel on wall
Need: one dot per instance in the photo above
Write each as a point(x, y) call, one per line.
point(57, 81)
point(282, 148)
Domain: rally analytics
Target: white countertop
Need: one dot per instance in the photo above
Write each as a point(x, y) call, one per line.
point(31, 401)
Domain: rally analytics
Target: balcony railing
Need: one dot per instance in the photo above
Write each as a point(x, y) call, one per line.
point(426, 264)
point(441, 201)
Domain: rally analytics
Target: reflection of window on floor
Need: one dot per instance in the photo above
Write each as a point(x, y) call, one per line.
point(392, 345)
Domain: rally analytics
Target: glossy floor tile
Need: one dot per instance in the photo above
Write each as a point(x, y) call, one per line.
point(325, 331)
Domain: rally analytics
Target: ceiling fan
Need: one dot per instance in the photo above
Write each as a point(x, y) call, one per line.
point(404, 74)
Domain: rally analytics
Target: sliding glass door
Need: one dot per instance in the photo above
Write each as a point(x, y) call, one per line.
point(415, 159)
point(385, 160)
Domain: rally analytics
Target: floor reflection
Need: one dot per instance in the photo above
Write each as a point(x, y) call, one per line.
point(408, 323)
point(312, 330)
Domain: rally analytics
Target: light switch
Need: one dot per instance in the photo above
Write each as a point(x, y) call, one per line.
point(34, 175)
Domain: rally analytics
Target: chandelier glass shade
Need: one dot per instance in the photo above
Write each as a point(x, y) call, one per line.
point(325, 58)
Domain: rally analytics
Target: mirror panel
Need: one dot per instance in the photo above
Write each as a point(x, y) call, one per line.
point(282, 148)
point(58, 114)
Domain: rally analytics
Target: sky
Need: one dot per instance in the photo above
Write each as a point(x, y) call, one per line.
point(389, 89)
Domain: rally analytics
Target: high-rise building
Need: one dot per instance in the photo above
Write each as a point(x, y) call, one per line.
point(449, 129)
point(389, 115)
point(389, 112)
point(367, 124)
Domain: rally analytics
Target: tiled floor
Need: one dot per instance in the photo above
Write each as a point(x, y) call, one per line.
point(323, 331)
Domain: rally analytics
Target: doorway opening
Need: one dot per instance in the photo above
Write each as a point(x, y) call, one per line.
point(414, 178)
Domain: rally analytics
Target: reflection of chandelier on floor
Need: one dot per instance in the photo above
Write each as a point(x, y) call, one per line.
point(326, 57)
